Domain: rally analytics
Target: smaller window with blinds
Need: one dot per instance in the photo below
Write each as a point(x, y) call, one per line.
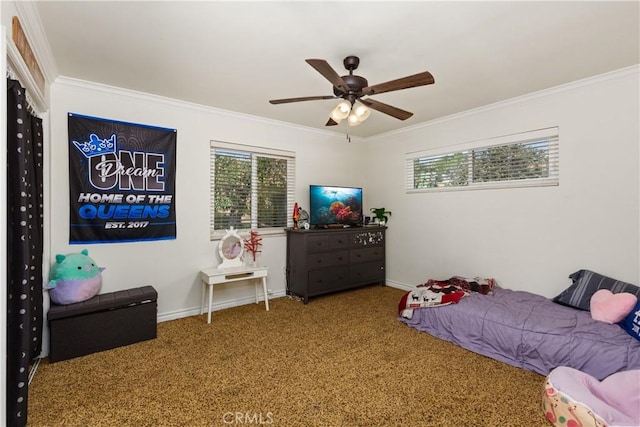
point(518, 160)
point(251, 188)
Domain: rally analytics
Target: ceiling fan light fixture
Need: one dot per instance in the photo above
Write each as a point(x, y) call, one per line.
point(362, 112)
point(341, 111)
point(354, 120)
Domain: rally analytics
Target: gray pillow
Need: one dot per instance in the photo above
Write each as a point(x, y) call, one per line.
point(586, 283)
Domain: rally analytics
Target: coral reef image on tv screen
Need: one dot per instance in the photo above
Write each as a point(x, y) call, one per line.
point(335, 205)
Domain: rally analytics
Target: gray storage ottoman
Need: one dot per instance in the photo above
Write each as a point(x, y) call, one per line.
point(103, 322)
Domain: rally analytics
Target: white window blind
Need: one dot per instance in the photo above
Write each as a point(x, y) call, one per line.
point(518, 160)
point(251, 188)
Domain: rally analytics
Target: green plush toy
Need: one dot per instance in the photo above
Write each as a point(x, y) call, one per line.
point(74, 278)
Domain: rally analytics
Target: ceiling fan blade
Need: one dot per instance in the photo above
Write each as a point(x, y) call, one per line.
point(387, 109)
point(329, 73)
point(420, 79)
point(305, 98)
point(331, 122)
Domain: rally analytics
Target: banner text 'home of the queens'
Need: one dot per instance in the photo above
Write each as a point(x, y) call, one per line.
point(121, 181)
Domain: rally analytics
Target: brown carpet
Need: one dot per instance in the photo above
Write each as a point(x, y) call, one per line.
point(341, 360)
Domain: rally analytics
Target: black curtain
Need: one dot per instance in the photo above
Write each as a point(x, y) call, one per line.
point(24, 249)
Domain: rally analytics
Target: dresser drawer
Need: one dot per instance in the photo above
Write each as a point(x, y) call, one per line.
point(368, 272)
point(374, 253)
point(367, 238)
point(328, 259)
point(327, 280)
point(327, 242)
point(318, 243)
point(338, 241)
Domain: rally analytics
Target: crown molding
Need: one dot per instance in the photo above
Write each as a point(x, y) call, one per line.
point(623, 73)
point(628, 72)
point(71, 82)
point(32, 26)
point(19, 70)
point(34, 31)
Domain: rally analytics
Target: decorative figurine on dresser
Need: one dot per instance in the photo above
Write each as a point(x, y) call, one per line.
point(321, 261)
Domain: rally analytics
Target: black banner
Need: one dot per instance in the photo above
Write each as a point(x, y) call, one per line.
point(121, 181)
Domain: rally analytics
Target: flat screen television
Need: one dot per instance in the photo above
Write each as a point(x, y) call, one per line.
point(335, 205)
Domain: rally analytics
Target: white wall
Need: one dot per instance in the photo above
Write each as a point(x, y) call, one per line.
point(526, 238)
point(172, 266)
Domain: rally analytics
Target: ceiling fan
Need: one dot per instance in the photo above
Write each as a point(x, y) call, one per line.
point(352, 88)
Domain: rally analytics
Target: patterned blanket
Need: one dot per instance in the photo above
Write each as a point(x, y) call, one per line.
point(435, 293)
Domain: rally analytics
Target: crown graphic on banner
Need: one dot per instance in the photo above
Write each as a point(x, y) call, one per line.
point(96, 146)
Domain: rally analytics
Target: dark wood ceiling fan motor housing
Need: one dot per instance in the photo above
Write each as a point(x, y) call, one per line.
point(353, 82)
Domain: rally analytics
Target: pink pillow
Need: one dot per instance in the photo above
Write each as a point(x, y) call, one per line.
point(611, 308)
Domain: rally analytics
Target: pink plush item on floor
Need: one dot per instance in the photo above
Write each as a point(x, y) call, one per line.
point(611, 308)
point(572, 398)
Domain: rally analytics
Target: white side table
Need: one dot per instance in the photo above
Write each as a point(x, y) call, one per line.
point(216, 276)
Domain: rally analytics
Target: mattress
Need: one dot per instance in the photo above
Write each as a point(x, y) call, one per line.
point(531, 332)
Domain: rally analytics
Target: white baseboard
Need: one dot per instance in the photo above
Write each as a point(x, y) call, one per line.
point(179, 314)
point(399, 285)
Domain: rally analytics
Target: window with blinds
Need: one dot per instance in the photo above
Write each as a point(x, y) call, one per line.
point(251, 188)
point(524, 159)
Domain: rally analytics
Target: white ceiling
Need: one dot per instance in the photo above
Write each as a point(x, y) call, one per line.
point(238, 55)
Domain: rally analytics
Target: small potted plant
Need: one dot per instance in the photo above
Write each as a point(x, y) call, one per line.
point(381, 215)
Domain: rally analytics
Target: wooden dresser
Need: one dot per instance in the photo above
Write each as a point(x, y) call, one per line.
point(329, 260)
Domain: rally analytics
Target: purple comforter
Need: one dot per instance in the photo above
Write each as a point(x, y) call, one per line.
point(531, 332)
